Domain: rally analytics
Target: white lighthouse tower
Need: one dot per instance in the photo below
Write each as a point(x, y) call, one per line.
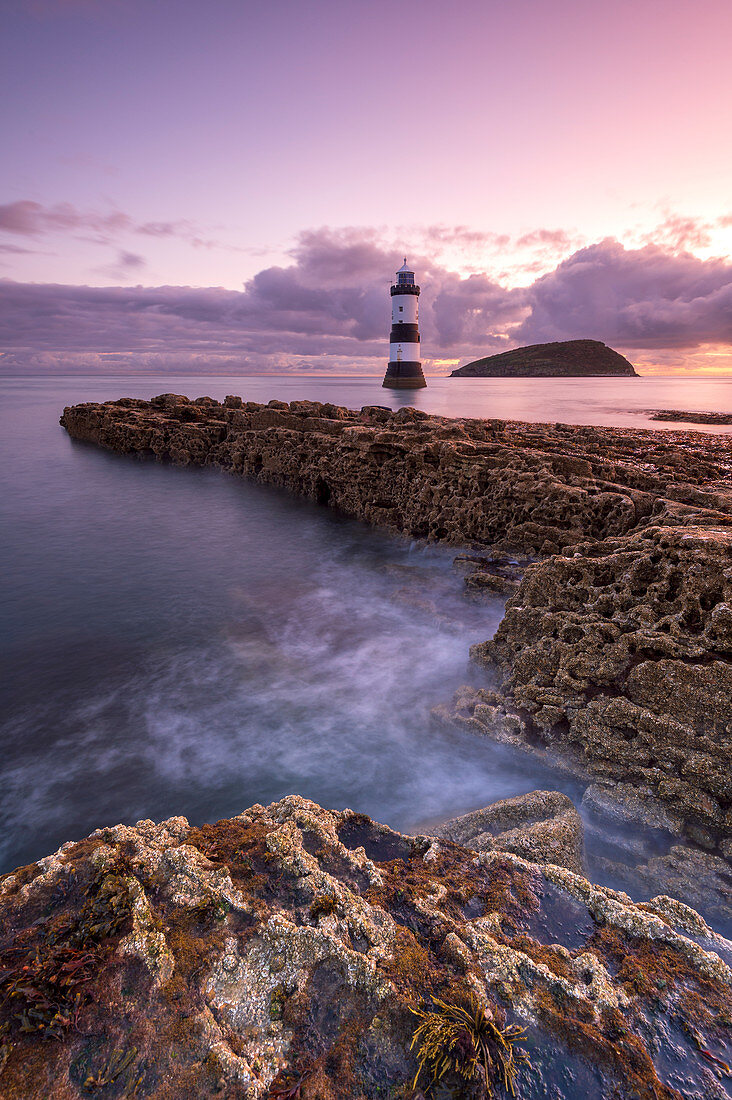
point(405, 368)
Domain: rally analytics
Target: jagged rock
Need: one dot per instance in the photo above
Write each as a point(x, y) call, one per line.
point(622, 650)
point(702, 879)
point(283, 953)
point(485, 580)
point(630, 806)
point(542, 826)
point(572, 358)
point(533, 488)
point(696, 876)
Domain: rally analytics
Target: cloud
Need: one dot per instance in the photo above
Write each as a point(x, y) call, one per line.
point(27, 218)
point(125, 267)
point(632, 298)
point(475, 311)
point(545, 238)
point(31, 219)
point(680, 233)
point(130, 259)
point(465, 237)
point(329, 309)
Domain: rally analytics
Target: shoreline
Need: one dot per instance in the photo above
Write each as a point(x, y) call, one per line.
point(293, 950)
point(616, 646)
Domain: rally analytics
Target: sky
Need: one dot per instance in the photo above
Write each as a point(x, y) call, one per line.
point(227, 186)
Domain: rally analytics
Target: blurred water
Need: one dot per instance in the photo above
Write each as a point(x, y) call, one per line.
point(180, 641)
point(183, 642)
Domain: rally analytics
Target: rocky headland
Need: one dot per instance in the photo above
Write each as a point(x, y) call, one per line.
point(564, 358)
point(292, 952)
point(613, 545)
point(671, 415)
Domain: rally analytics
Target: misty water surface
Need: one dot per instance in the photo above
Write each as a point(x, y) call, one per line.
point(181, 641)
point(184, 642)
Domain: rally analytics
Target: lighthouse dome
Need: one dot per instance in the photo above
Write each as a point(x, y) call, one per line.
point(405, 275)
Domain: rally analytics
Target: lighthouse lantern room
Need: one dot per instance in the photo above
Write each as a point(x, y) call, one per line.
point(405, 368)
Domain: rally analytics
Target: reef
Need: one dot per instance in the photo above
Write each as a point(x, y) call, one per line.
point(293, 952)
point(620, 652)
point(692, 417)
point(613, 545)
point(564, 358)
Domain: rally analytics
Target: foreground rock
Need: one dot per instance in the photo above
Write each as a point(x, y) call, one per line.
point(542, 826)
point(702, 879)
point(615, 650)
point(569, 358)
point(288, 952)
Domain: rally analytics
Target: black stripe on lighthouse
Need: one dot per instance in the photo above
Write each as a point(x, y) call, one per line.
point(404, 333)
point(404, 288)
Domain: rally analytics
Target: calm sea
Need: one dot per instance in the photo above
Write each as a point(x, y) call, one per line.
point(182, 642)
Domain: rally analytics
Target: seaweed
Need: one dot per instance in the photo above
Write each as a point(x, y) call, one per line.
point(287, 1085)
point(43, 984)
point(462, 1041)
point(322, 905)
point(119, 1063)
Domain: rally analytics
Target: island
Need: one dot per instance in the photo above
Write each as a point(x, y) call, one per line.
point(565, 358)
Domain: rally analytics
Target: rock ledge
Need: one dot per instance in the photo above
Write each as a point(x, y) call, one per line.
point(285, 952)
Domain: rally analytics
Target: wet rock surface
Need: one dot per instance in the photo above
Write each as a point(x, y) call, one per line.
point(288, 952)
point(542, 826)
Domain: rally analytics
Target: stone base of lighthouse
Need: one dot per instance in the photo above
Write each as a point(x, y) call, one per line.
point(404, 376)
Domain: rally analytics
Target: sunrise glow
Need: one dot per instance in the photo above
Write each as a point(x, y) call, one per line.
point(248, 156)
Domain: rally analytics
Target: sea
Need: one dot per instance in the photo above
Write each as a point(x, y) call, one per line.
point(181, 641)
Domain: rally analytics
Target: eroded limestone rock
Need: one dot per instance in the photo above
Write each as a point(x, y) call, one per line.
point(530, 487)
point(542, 826)
point(282, 953)
point(621, 651)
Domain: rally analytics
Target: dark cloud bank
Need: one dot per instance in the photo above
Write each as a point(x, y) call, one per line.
point(329, 311)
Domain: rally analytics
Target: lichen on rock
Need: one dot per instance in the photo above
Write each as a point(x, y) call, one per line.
point(542, 826)
point(203, 961)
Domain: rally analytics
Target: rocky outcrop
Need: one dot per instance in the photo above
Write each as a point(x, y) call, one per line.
point(692, 417)
point(622, 651)
point(616, 649)
point(295, 952)
point(565, 358)
point(526, 487)
point(542, 826)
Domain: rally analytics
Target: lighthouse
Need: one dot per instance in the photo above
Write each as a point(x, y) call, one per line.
point(405, 368)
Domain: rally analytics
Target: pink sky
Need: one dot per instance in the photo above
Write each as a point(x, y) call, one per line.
point(553, 169)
